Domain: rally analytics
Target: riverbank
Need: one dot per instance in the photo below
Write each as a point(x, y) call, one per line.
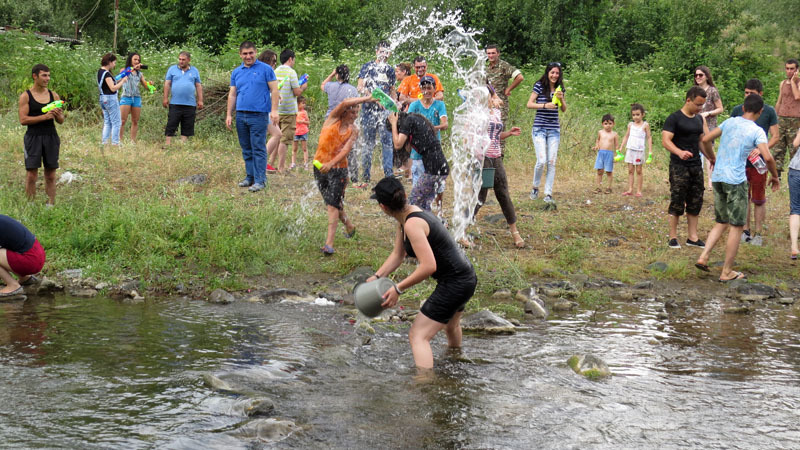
point(137, 212)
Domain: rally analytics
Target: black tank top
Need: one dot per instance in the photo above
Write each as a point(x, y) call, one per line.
point(35, 109)
point(451, 263)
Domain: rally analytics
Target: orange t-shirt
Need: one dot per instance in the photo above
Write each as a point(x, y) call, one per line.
point(331, 143)
point(301, 128)
point(410, 86)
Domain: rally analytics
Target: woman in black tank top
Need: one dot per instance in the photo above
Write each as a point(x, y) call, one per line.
point(420, 234)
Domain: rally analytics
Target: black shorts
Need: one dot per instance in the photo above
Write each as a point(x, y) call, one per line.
point(448, 298)
point(41, 149)
point(183, 115)
point(685, 189)
point(331, 185)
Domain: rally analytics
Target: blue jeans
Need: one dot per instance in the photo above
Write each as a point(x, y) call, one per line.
point(252, 130)
point(112, 121)
point(794, 192)
point(545, 142)
point(372, 124)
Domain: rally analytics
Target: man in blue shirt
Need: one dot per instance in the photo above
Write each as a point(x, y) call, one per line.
point(254, 96)
point(374, 74)
point(741, 139)
point(183, 81)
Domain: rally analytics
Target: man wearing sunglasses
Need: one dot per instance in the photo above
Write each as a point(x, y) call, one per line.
point(409, 89)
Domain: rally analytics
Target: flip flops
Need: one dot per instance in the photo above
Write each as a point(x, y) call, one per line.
point(327, 250)
point(737, 276)
point(703, 267)
point(351, 234)
point(13, 293)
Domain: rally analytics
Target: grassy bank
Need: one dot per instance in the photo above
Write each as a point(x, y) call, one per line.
point(128, 217)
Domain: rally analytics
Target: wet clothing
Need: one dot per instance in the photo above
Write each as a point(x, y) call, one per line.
point(433, 113)
point(545, 118)
point(422, 137)
point(424, 190)
point(332, 185)
point(766, 120)
point(454, 273)
point(376, 75)
point(410, 85)
point(739, 137)
point(331, 142)
point(41, 142)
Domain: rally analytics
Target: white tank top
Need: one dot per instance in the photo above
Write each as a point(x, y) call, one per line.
point(636, 137)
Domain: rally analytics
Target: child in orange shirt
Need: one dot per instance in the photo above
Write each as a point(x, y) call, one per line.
point(301, 132)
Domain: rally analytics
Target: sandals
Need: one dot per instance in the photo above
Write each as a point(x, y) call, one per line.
point(13, 293)
point(608, 190)
point(627, 193)
point(327, 250)
point(737, 276)
point(518, 241)
point(351, 234)
point(598, 191)
point(703, 267)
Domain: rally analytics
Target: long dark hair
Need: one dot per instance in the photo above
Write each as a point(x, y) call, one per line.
point(707, 72)
point(268, 57)
point(401, 119)
point(129, 61)
point(545, 81)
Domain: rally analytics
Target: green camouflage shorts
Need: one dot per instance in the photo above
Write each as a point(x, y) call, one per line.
point(730, 203)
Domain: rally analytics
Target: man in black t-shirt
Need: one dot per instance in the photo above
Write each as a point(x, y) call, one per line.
point(41, 140)
point(681, 135)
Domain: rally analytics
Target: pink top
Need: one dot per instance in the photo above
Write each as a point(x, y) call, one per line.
point(301, 128)
point(495, 149)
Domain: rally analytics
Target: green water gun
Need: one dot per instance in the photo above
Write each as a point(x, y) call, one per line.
point(384, 99)
point(619, 156)
point(150, 86)
point(53, 105)
point(649, 158)
point(280, 85)
point(556, 100)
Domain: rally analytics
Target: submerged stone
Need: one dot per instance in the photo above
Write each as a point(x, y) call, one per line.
point(589, 366)
point(265, 430)
point(221, 297)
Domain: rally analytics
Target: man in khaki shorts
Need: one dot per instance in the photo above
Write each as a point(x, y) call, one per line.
point(290, 88)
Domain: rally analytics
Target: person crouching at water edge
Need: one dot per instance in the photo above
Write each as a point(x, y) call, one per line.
point(20, 253)
point(421, 235)
point(336, 139)
point(418, 131)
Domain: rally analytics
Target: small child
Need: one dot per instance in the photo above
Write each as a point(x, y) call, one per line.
point(607, 139)
point(301, 132)
point(638, 132)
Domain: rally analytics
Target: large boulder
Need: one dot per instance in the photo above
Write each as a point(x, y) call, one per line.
point(756, 291)
point(487, 322)
point(221, 297)
point(589, 366)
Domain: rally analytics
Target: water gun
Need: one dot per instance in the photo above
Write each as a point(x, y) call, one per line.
point(619, 156)
point(318, 164)
point(556, 100)
point(53, 105)
point(125, 72)
point(280, 85)
point(649, 158)
point(384, 99)
point(303, 80)
point(150, 86)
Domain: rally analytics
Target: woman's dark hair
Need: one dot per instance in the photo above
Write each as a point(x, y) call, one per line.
point(401, 119)
point(107, 59)
point(707, 73)
point(129, 61)
point(398, 200)
point(268, 57)
point(343, 73)
point(405, 67)
point(545, 81)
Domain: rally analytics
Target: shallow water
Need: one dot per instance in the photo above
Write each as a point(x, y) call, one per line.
point(97, 373)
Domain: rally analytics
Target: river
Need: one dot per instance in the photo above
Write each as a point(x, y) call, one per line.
point(98, 373)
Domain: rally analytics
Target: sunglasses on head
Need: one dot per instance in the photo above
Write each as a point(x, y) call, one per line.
point(554, 64)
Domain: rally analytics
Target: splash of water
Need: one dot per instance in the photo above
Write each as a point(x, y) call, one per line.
point(469, 137)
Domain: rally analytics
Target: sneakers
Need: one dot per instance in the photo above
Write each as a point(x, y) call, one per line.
point(745, 235)
point(757, 240)
point(697, 243)
point(256, 187)
point(673, 243)
point(548, 198)
point(534, 194)
point(271, 169)
point(245, 183)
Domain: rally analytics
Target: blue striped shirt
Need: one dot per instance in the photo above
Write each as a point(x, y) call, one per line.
point(545, 118)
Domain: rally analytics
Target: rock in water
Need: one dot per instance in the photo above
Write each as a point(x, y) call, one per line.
point(216, 383)
point(83, 293)
point(252, 407)
point(488, 322)
point(589, 366)
point(265, 430)
point(221, 297)
point(757, 289)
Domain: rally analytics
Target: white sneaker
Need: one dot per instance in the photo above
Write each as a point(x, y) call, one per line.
point(757, 240)
point(534, 194)
point(548, 198)
point(746, 236)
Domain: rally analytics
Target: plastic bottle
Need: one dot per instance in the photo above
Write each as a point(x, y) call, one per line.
point(53, 105)
point(757, 162)
point(384, 99)
point(125, 72)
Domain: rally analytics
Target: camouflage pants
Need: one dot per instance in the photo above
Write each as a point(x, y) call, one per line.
point(787, 129)
point(685, 189)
